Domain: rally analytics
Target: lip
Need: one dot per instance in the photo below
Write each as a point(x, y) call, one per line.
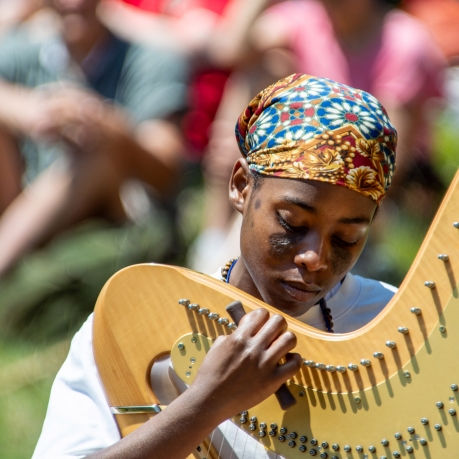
point(300, 291)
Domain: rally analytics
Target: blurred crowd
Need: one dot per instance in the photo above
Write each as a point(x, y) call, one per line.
point(117, 128)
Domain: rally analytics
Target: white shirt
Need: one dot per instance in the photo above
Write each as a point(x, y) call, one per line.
point(78, 421)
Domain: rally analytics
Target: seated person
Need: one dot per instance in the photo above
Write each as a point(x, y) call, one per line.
point(318, 158)
point(82, 112)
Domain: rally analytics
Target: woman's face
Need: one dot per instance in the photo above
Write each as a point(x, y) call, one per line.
point(299, 238)
point(83, 7)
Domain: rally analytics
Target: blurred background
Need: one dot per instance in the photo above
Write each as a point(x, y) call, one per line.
point(116, 145)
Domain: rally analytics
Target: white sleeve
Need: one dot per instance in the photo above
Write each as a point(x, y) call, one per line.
point(78, 420)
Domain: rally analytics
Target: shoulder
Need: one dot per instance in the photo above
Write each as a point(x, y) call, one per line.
point(20, 46)
point(150, 57)
point(358, 302)
point(153, 82)
point(373, 284)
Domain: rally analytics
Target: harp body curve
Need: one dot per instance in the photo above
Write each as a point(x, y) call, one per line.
point(401, 405)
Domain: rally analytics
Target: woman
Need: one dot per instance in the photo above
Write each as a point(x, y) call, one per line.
point(308, 188)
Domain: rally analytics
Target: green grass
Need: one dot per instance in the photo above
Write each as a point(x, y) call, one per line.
point(26, 376)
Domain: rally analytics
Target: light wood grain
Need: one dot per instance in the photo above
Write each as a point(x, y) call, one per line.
point(138, 319)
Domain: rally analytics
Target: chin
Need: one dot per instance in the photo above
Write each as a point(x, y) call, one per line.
point(76, 28)
point(289, 306)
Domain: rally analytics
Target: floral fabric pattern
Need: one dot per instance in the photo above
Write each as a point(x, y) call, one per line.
point(314, 128)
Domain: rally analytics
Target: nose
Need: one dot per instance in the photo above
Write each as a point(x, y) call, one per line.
point(312, 254)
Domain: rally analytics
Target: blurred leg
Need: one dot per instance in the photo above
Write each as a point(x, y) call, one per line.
point(59, 198)
point(10, 170)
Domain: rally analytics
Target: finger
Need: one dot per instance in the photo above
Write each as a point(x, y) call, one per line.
point(281, 346)
point(271, 330)
point(252, 322)
point(287, 370)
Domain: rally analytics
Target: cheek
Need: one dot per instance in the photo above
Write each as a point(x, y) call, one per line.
point(341, 260)
point(280, 244)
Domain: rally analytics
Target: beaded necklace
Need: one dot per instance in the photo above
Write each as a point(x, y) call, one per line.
point(326, 312)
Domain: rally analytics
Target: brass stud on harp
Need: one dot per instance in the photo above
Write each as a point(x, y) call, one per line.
point(353, 367)
point(330, 368)
point(443, 257)
point(320, 366)
point(365, 362)
point(232, 326)
point(341, 369)
point(430, 284)
point(213, 316)
point(456, 224)
point(416, 311)
point(403, 330)
point(391, 344)
point(203, 311)
point(378, 355)
point(223, 321)
point(184, 302)
point(193, 307)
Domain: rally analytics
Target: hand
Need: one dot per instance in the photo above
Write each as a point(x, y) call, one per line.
point(79, 118)
point(242, 369)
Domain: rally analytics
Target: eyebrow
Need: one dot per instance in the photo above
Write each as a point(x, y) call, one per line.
point(314, 211)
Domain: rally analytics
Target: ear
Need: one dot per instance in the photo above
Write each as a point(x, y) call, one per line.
point(240, 185)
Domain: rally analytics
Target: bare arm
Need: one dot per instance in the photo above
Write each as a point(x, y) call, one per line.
point(150, 151)
point(222, 41)
point(230, 43)
point(224, 386)
point(105, 150)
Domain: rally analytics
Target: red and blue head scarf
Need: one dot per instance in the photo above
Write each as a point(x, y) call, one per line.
point(314, 128)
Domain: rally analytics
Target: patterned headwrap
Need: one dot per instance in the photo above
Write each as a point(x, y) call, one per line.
point(313, 128)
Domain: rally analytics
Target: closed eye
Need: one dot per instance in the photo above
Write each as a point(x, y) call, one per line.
point(290, 228)
point(343, 243)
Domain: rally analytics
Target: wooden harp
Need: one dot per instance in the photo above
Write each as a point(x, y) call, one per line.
point(389, 389)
